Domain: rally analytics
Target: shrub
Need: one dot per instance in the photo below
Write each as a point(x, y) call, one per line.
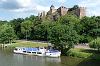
point(75, 53)
point(95, 44)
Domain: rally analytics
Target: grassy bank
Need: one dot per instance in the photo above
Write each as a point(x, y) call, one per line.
point(22, 43)
point(84, 53)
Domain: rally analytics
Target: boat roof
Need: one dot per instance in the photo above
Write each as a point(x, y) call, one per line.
point(28, 49)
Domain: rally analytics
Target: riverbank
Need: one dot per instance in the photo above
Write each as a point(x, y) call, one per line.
point(75, 52)
point(23, 43)
point(84, 53)
point(29, 60)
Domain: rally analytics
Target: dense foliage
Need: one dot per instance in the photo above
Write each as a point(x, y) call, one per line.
point(7, 34)
point(63, 33)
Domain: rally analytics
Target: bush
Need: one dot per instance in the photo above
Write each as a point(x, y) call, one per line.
point(81, 53)
point(77, 53)
point(95, 44)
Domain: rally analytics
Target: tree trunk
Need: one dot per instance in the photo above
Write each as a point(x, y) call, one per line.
point(26, 35)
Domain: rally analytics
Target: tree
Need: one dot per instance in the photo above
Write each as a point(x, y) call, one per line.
point(63, 37)
point(95, 44)
point(16, 24)
point(68, 20)
point(95, 32)
point(2, 22)
point(88, 29)
point(7, 34)
point(40, 30)
point(63, 34)
point(26, 28)
point(31, 18)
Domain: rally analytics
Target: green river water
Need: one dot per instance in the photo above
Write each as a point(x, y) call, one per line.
point(11, 59)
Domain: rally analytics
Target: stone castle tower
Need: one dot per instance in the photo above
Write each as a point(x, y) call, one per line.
point(61, 11)
point(52, 9)
point(81, 12)
point(42, 15)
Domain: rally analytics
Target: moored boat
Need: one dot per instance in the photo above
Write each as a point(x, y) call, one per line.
point(37, 51)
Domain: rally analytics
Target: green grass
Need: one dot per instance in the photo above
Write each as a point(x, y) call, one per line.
point(21, 43)
point(84, 53)
point(78, 53)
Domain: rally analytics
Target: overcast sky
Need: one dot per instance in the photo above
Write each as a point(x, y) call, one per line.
point(10, 9)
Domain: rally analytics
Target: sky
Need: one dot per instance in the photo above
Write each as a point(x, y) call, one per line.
point(11, 9)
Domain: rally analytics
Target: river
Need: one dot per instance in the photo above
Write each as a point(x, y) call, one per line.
point(11, 59)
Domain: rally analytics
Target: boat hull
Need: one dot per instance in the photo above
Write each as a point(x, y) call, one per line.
point(53, 54)
point(18, 52)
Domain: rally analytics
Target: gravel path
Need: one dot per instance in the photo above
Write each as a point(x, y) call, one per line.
point(85, 46)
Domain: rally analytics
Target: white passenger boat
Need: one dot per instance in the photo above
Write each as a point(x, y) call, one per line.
point(37, 51)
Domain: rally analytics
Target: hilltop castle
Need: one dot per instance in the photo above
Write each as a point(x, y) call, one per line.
point(61, 11)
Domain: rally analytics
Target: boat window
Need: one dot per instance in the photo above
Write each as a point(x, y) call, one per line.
point(41, 48)
point(18, 49)
point(39, 53)
point(28, 52)
point(34, 52)
point(15, 49)
point(24, 51)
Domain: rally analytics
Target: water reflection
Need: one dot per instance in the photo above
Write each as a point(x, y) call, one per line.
point(35, 60)
point(11, 59)
point(53, 60)
point(18, 59)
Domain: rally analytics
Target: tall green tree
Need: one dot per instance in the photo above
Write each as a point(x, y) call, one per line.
point(16, 24)
point(63, 34)
point(88, 29)
point(26, 28)
point(7, 34)
point(63, 37)
point(95, 32)
point(40, 32)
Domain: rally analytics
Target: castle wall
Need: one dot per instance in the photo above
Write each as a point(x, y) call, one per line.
point(42, 15)
point(61, 11)
point(80, 12)
point(54, 10)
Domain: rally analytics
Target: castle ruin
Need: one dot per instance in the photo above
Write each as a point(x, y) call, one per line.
point(61, 11)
